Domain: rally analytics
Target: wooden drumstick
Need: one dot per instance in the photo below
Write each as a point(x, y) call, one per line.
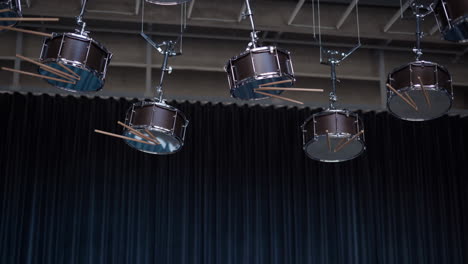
point(69, 70)
point(426, 95)
point(339, 147)
point(42, 34)
point(279, 97)
point(274, 83)
point(5, 10)
point(402, 97)
point(123, 137)
point(288, 89)
point(48, 68)
point(44, 19)
point(410, 98)
point(37, 75)
point(136, 132)
point(328, 140)
point(152, 136)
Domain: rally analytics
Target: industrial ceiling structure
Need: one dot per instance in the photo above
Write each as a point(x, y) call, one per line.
point(216, 31)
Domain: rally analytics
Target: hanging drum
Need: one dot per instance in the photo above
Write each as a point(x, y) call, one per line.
point(167, 2)
point(10, 9)
point(333, 136)
point(419, 91)
point(453, 19)
point(257, 67)
point(81, 55)
point(160, 128)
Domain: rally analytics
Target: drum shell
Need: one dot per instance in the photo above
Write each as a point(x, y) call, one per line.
point(259, 63)
point(336, 122)
point(159, 116)
point(432, 75)
point(78, 50)
point(456, 9)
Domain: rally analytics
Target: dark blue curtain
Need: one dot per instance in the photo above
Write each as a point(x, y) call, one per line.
point(241, 190)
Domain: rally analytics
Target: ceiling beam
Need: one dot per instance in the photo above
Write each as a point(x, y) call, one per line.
point(296, 11)
point(397, 15)
point(346, 13)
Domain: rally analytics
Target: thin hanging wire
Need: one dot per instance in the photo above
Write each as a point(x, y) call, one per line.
point(179, 40)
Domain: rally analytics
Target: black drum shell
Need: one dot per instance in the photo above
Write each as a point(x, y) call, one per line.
point(259, 66)
point(258, 62)
point(75, 49)
point(160, 116)
point(455, 9)
point(430, 73)
point(336, 122)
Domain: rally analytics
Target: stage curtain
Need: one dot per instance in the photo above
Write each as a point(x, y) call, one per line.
point(241, 191)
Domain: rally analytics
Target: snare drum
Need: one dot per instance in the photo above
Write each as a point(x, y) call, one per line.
point(165, 123)
point(81, 54)
point(259, 66)
point(12, 10)
point(453, 17)
point(333, 136)
point(167, 2)
point(432, 100)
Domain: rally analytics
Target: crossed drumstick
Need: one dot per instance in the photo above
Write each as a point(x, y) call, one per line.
point(70, 77)
point(343, 143)
point(151, 139)
point(408, 99)
point(265, 87)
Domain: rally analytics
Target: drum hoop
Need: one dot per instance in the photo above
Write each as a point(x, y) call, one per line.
point(361, 141)
point(426, 87)
point(337, 111)
point(77, 64)
point(459, 20)
point(262, 76)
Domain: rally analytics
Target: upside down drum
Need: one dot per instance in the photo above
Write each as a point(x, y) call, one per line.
point(12, 9)
point(334, 135)
point(164, 123)
point(262, 66)
point(84, 56)
point(453, 17)
point(427, 88)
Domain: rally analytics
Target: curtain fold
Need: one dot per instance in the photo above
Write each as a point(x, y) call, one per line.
point(240, 191)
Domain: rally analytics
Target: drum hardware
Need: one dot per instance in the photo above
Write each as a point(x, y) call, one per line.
point(153, 126)
point(77, 54)
point(424, 86)
point(11, 13)
point(334, 135)
point(452, 19)
point(259, 68)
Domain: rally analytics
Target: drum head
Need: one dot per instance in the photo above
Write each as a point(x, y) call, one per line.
point(458, 32)
point(441, 102)
point(8, 14)
point(89, 81)
point(246, 91)
point(167, 2)
point(169, 143)
point(318, 149)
